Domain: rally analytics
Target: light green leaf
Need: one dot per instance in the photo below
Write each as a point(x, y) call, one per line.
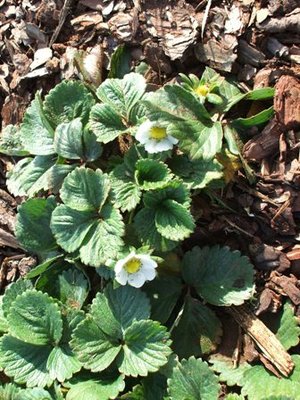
point(260, 118)
point(116, 309)
point(163, 293)
point(196, 174)
point(85, 189)
point(193, 380)
point(35, 318)
point(33, 225)
point(198, 331)
point(25, 362)
point(62, 363)
point(10, 142)
point(9, 391)
point(151, 174)
point(68, 141)
point(29, 176)
point(3, 321)
point(173, 221)
point(229, 373)
point(220, 276)
point(260, 94)
point(122, 94)
point(92, 346)
point(234, 396)
point(106, 123)
point(36, 133)
point(95, 388)
point(289, 329)
point(67, 101)
point(230, 94)
point(32, 394)
point(174, 190)
point(144, 223)
point(126, 194)
point(146, 348)
point(12, 291)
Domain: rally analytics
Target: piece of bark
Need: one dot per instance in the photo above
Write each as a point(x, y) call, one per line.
point(268, 301)
point(289, 23)
point(264, 339)
point(286, 285)
point(249, 55)
point(7, 239)
point(287, 101)
point(265, 144)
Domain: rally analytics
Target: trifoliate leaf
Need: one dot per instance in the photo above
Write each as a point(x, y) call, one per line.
point(12, 291)
point(122, 94)
point(193, 380)
point(67, 101)
point(33, 225)
point(118, 308)
point(85, 189)
point(146, 348)
point(25, 362)
point(289, 329)
point(95, 388)
point(34, 318)
point(126, 193)
point(173, 221)
point(163, 293)
point(68, 142)
point(10, 142)
point(37, 135)
point(196, 174)
point(29, 176)
point(198, 331)
point(106, 123)
point(144, 223)
point(93, 347)
point(220, 276)
point(151, 174)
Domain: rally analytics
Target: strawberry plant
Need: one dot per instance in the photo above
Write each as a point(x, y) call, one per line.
point(108, 178)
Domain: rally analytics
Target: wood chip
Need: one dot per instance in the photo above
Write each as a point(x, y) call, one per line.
point(287, 101)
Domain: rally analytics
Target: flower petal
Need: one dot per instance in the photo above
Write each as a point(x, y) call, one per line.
point(147, 261)
point(143, 132)
point(172, 139)
point(164, 145)
point(149, 273)
point(136, 280)
point(122, 277)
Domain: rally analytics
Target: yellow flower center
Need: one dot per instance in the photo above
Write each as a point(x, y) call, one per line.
point(158, 133)
point(133, 265)
point(202, 90)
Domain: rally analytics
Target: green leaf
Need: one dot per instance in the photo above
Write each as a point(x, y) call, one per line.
point(144, 223)
point(229, 373)
point(151, 174)
point(118, 308)
point(260, 118)
point(289, 329)
point(62, 363)
point(163, 292)
point(67, 101)
point(193, 380)
point(260, 94)
point(43, 267)
point(9, 391)
point(33, 394)
point(198, 331)
point(3, 321)
point(122, 94)
point(25, 362)
point(92, 148)
point(173, 221)
point(126, 194)
point(231, 95)
point(10, 142)
point(68, 142)
point(12, 291)
point(174, 190)
point(35, 318)
point(92, 346)
point(120, 62)
point(146, 348)
point(33, 225)
point(30, 176)
point(95, 388)
point(85, 189)
point(220, 276)
point(36, 133)
point(106, 123)
point(196, 174)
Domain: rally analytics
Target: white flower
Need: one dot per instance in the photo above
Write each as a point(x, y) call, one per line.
point(135, 269)
point(155, 137)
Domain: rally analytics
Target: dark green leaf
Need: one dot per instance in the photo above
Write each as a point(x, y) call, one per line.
point(120, 62)
point(68, 142)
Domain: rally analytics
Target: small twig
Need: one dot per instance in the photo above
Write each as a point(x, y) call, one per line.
point(62, 17)
point(237, 227)
point(264, 339)
point(205, 16)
